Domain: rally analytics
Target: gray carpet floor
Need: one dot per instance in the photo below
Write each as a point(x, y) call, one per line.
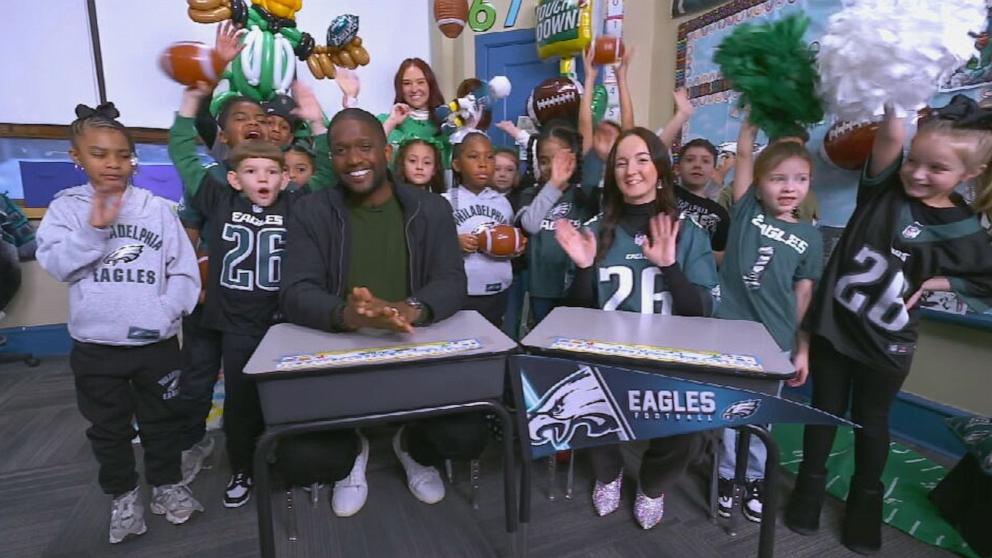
point(51, 505)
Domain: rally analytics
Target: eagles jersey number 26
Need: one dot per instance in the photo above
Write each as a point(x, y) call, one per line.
point(650, 296)
point(238, 272)
point(877, 291)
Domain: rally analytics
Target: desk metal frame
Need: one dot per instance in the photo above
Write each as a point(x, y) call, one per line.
point(272, 434)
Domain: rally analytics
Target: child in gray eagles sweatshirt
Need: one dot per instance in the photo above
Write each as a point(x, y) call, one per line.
point(132, 276)
point(131, 282)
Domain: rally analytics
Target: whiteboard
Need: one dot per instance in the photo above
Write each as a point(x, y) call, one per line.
point(133, 35)
point(48, 66)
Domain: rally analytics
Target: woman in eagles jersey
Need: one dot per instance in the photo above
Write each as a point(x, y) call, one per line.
point(910, 232)
point(638, 256)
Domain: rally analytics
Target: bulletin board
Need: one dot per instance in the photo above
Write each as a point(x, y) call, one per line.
point(717, 119)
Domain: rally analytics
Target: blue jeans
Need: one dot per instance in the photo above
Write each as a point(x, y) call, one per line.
point(757, 454)
point(515, 305)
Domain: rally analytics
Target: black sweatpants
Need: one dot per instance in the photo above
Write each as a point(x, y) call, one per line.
point(662, 465)
point(840, 382)
point(492, 307)
point(115, 384)
point(201, 365)
point(242, 411)
point(431, 441)
point(326, 457)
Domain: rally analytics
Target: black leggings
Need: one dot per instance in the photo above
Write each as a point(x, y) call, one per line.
point(840, 382)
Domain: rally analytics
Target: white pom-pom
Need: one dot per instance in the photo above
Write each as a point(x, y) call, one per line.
point(499, 87)
point(894, 51)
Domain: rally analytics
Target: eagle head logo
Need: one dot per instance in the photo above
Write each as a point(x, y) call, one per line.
point(741, 409)
point(125, 254)
point(577, 401)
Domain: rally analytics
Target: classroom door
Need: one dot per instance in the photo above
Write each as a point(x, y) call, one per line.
point(514, 55)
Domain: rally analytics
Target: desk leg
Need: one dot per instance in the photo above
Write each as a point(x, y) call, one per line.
point(769, 510)
point(292, 533)
point(513, 371)
point(740, 477)
point(263, 495)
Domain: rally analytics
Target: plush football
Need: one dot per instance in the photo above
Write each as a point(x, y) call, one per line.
point(451, 16)
point(555, 98)
point(189, 62)
point(848, 144)
point(501, 240)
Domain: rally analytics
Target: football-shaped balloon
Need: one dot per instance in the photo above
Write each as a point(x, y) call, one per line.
point(189, 62)
point(555, 98)
point(607, 50)
point(451, 16)
point(848, 144)
point(501, 240)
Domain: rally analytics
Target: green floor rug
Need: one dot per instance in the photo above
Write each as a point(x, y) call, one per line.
point(908, 478)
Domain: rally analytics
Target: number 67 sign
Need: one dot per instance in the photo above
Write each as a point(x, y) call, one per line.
point(482, 15)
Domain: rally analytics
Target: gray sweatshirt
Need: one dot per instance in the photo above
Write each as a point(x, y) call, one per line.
point(130, 283)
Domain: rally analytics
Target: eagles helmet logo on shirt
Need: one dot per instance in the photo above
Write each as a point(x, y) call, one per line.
point(640, 239)
point(125, 254)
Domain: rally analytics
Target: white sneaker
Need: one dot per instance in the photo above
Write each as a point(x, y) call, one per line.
point(349, 494)
point(425, 482)
point(193, 458)
point(175, 501)
point(127, 516)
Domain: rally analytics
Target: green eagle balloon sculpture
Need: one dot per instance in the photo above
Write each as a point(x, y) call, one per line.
point(266, 67)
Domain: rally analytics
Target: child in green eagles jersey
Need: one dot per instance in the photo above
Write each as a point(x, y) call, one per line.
point(638, 256)
point(772, 261)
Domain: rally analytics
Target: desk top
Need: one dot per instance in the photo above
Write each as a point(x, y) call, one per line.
point(734, 345)
point(289, 348)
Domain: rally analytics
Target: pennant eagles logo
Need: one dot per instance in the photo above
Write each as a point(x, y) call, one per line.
point(125, 254)
point(741, 409)
point(577, 401)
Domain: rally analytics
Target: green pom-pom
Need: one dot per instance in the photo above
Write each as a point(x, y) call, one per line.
point(775, 72)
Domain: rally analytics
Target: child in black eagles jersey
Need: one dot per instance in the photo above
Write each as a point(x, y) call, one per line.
point(910, 232)
point(247, 244)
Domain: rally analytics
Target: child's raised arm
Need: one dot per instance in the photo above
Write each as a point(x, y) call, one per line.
point(888, 142)
point(683, 111)
point(182, 141)
point(626, 102)
point(67, 248)
point(585, 107)
point(744, 164)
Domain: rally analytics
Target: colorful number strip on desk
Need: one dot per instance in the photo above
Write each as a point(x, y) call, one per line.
point(371, 356)
point(663, 354)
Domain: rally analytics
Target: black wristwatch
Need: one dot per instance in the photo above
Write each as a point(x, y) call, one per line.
point(421, 309)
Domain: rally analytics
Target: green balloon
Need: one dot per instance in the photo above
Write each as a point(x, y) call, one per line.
point(600, 98)
point(240, 84)
point(268, 60)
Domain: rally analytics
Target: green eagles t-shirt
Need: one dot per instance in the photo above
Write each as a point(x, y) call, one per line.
point(379, 258)
point(628, 281)
point(550, 267)
point(765, 257)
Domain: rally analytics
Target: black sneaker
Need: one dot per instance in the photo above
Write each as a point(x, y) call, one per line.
point(238, 491)
point(753, 500)
point(725, 500)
